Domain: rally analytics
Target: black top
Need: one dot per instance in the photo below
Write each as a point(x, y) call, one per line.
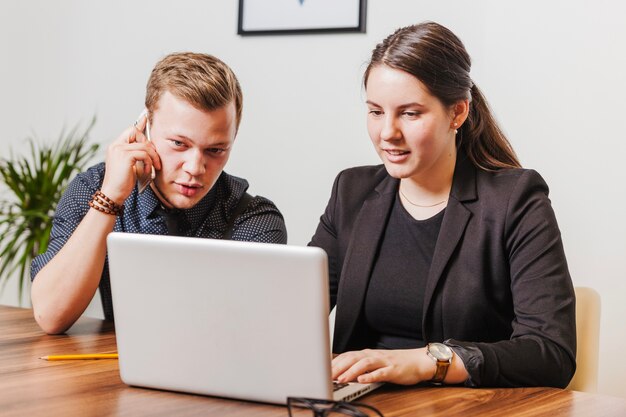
point(395, 295)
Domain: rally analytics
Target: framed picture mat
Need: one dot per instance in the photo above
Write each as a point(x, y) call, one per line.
point(285, 17)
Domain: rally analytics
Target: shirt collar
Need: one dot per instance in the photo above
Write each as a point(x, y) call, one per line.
point(149, 203)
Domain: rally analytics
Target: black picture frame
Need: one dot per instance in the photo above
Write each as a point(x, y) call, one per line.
point(245, 28)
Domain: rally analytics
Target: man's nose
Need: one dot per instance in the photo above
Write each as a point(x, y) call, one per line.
point(194, 163)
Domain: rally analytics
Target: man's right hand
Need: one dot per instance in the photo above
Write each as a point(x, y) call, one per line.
point(122, 155)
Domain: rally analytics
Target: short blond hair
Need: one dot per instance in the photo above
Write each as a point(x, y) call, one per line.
point(203, 80)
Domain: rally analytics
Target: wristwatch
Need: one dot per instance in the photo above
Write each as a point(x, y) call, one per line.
point(442, 355)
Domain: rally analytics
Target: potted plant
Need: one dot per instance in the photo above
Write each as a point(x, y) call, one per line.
point(34, 183)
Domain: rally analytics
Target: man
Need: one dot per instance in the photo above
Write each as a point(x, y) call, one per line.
point(193, 104)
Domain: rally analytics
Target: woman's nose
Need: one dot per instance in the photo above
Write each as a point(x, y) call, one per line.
point(390, 129)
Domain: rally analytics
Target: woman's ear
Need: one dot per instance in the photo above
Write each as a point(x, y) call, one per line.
point(460, 110)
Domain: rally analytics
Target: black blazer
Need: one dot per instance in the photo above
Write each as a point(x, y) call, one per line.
point(498, 289)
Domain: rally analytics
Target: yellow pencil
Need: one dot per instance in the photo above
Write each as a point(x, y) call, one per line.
point(80, 356)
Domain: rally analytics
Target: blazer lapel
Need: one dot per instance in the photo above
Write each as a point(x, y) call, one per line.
point(367, 233)
point(455, 221)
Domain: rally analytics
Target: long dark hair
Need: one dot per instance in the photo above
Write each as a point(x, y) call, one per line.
point(437, 57)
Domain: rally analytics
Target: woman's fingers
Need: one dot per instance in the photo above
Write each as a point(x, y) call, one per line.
point(397, 366)
point(377, 375)
point(361, 367)
point(348, 366)
point(344, 361)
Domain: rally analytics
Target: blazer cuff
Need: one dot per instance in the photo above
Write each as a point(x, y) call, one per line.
point(472, 358)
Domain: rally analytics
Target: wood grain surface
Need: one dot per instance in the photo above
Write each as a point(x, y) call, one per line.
point(30, 386)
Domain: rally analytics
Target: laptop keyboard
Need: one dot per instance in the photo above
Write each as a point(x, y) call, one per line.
point(338, 385)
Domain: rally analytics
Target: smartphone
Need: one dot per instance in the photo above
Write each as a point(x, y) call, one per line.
point(143, 179)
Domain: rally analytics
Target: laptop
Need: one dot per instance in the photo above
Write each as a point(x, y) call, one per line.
point(223, 318)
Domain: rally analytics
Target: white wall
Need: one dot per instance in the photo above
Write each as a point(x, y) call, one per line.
point(551, 70)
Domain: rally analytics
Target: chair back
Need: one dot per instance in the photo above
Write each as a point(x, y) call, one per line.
point(587, 340)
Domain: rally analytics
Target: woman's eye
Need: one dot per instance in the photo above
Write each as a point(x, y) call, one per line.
point(410, 113)
point(176, 143)
point(375, 112)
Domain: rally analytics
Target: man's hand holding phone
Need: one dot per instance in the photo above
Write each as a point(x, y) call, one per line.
point(144, 178)
point(130, 158)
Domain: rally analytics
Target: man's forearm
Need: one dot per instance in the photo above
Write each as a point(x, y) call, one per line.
point(62, 290)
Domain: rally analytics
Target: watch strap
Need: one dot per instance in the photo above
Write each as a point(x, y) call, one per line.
point(442, 365)
point(440, 372)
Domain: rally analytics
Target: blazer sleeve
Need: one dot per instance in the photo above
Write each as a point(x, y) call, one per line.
point(542, 348)
point(325, 237)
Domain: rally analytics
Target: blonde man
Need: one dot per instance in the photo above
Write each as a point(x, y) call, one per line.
point(182, 143)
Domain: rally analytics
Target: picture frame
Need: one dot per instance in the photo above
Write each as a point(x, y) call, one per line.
point(283, 17)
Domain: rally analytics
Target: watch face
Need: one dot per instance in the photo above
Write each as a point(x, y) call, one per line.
point(440, 351)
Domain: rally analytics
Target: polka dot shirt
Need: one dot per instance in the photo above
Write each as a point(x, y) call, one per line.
point(259, 222)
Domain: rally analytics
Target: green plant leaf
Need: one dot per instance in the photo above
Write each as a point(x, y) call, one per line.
point(35, 182)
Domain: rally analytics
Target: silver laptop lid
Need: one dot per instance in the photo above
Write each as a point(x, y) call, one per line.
point(233, 319)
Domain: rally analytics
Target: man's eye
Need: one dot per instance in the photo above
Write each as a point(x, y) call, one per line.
point(176, 143)
point(216, 150)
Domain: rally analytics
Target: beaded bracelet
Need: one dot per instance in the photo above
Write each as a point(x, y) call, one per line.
point(104, 204)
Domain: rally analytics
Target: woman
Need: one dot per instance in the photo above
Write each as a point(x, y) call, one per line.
point(446, 262)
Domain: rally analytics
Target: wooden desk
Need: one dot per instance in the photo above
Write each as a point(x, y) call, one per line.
point(32, 387)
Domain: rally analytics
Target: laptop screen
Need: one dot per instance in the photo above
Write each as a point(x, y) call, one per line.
point(232, 319)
